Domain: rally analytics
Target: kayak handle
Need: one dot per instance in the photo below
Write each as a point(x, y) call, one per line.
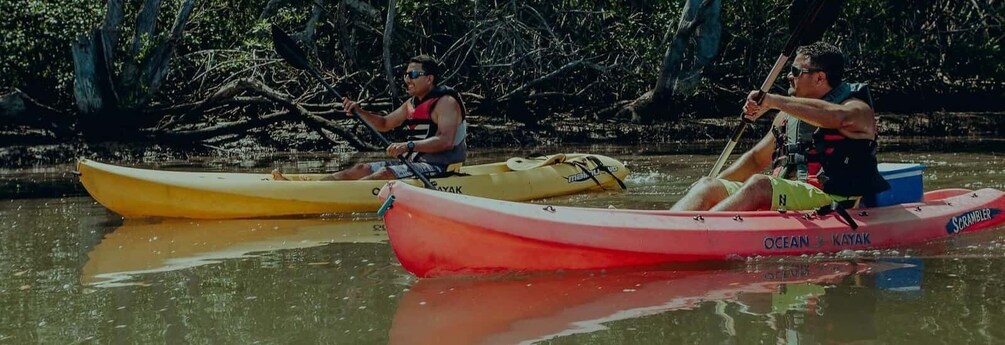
point(388, 203)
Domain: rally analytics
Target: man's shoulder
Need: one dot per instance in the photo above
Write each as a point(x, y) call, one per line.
point(448, 100)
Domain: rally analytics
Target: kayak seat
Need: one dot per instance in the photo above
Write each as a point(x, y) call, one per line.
point(452, 170)
point(534, 161)
point(906, 185)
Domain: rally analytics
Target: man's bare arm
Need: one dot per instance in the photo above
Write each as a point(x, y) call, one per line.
point(755, 160)
point(383, 123)
point(853, 118)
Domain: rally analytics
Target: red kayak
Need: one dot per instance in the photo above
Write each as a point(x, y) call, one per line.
point(545, 307)
point(436, 234)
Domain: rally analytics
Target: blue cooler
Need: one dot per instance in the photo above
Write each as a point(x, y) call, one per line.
point(905, 185)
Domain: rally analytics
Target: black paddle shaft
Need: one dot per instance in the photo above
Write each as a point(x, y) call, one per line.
point(819, 16)
point(293, 55)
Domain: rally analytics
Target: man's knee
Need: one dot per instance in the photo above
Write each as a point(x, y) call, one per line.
point(759, 180)
point(758, 183)
point(383, 174)
point(708, 184)
point(362, 167)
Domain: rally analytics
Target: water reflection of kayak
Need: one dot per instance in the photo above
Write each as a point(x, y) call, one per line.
point(457, 311)
point(139, 247)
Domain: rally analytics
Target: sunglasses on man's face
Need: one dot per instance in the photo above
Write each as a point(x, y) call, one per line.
point(796, 71)
point(414, 74)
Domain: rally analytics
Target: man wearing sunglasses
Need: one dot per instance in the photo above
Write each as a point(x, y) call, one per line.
point(434, 126)
point(821, 149)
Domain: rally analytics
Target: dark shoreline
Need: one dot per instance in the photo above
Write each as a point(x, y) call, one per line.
point(685, 136)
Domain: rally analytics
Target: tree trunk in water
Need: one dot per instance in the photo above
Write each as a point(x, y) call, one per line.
point(101, 97)
point(146, 24)
point(92, 84)
point(392, 11)
point(692, 46)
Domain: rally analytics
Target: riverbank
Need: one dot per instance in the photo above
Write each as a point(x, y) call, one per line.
point(688, 135)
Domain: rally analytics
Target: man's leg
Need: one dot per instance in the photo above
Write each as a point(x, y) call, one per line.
point(754, 195)
point(396, 170)
point(702, 196)
point(384, 173)
point(356, 172)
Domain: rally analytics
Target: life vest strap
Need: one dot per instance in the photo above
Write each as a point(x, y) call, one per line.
point(841, 209)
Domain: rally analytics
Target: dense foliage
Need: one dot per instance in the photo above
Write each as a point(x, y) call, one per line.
point(531, 57)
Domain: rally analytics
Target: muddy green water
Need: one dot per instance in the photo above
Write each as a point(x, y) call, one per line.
point(72, 272)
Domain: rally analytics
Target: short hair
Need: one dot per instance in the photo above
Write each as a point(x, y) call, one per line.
point(827, 58)
point(429, 64)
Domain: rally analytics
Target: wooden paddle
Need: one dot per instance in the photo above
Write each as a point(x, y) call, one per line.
point(295, 56)
point(818, 16)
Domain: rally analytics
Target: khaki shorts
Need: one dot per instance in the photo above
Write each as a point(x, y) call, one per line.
point(401, 170)
point(792, 195)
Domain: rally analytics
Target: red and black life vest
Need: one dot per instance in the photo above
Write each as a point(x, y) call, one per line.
point(826, 158)
point(419, 125)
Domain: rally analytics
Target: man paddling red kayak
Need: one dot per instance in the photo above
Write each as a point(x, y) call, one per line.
point(821, 148)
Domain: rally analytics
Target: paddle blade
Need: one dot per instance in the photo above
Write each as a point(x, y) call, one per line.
point(288, 49)
point(817, 21)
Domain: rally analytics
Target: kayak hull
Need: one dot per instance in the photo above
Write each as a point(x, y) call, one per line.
point(469, 235)
point(141, 193)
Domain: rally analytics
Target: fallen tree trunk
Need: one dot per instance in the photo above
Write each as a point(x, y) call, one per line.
point(682, 62)
point(18, 109)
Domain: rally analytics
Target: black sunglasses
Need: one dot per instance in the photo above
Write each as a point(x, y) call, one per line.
point(414, 74)
point(796, 71)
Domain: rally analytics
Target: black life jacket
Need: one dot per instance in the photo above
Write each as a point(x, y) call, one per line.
point(826, 158)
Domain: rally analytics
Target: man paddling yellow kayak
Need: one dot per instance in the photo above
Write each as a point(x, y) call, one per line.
point(435, 125)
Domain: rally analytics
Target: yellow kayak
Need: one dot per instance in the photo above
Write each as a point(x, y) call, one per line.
point(139, 193)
